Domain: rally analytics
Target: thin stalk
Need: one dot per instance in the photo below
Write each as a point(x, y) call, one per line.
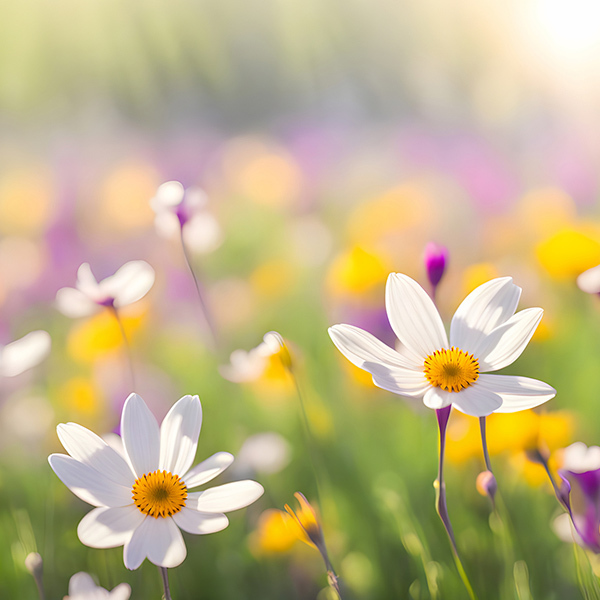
point(308, 435)
point(486, 455)
point(128, 351)
point(491, 490)
point(443, 415)
point(165, 579)
point(203, 304)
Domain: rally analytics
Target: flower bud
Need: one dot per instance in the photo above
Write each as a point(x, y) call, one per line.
point(486, 484)
point(436, 259)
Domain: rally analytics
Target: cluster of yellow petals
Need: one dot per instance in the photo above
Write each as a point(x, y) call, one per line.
point(159, 494)
point(452, 370)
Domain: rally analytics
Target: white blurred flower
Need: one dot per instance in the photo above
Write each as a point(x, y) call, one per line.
point(128, 285)
point(589, 281)
point(485, 335)
point(249, 365)
point(184, 212)
point(578, 458)
point(142, 501)
point(83, 587)
point(24, 353)
point(265, 453)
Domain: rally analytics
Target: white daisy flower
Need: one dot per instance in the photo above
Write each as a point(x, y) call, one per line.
point(83, 587)
point(128, 285)
point(181, 211)
point(250, 365)
point(24, 353)
point(485, 335)
point(143, 501)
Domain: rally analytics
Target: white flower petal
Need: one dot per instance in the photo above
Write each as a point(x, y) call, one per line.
point(195, 198)
point(168, 195)
point(74, 303)
point(22, 354)
point(225, 498)
point(477, 400)
point(578, 458)
point(414, 317)
point(208, 469)
point(88, 484)
point(202, 233)
point(179, 435)
point(130, 283)
point(363, 349)
point(565, 531)
point(506, 343)
point(121, 592)
point(141, 436)
point(517, 393)
point(437, 398)
point(85, 446)
point(109, 527)
point(81, 583)
point(86, 283)
point(405, 382)
point(158, 539)
point(198, 523)
point(589, 281)
point(484, 309)
point(167, 225)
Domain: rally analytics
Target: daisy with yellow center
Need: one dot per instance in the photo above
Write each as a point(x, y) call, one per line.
point(485, 335)
point(142, 494)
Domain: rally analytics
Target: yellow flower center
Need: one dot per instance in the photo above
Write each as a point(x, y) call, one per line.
point(159, 494)
point(452, 370)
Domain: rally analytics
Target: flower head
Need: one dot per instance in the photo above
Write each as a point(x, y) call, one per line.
point(306, 518)
point(436, 259)
point(24, 353)
point(581, 478)
point(182, 211)
point(83, 587)
point(143, 500)
point(128, 285)
point(251, 365)
point(485, 335)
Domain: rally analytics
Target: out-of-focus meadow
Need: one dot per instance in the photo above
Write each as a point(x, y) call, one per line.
point(334, 140)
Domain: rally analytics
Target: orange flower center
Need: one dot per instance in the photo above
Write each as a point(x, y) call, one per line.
point(159, 494)
point(452, 370)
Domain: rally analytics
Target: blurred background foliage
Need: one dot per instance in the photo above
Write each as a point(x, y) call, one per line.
point(334, 140)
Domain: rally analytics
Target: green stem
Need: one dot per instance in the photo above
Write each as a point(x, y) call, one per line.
point(443, 415)
point(203, 304)
point(165, 579)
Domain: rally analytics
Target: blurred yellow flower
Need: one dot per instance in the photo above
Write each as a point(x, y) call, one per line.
point(406, 207)
point(100, 335)
point(273, 279)
point(358, 272)
point(124, 197)
point(569, 252)
point(262, 171)
point(80, 396)
point(26, 197)
point(276, 532)
point(513, 432)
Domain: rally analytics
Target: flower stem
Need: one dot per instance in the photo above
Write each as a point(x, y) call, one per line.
point(203, 304)
point(443, 414)
point(165, 579)
point(115, 312)
point(490, 489)
point(308, 434)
